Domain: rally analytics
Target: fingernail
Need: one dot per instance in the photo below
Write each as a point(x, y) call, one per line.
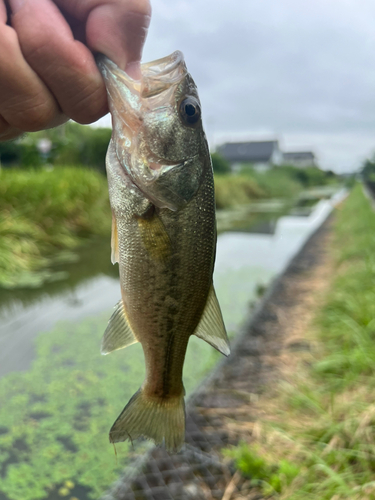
point(16, 5)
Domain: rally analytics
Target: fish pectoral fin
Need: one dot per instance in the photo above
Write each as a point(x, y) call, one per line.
point(154, 237)
point(118, 333)
point(114, 242)
point(211, 327)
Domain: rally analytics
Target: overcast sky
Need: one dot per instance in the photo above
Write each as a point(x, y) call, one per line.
point(303, 72)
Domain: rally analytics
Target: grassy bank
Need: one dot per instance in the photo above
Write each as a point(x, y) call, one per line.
point(248, 186)
point(43, 216)
point(278, 182)
point(319, 439)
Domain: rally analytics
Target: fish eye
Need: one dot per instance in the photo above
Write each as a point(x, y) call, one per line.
point(190, 111)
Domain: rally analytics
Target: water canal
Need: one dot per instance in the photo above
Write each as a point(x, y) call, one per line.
point(59, 396)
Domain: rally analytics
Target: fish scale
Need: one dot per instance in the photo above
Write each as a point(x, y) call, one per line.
point(163, 237)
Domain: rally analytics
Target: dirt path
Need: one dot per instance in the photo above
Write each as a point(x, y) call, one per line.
point(229, 404)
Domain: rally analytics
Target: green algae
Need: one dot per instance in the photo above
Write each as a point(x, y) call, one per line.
point(55, 418)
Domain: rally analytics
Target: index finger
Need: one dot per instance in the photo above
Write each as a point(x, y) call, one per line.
point(117, 28)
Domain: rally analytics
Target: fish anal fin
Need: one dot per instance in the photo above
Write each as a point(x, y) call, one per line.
point(211, 327)
point(118, 333)
point(114, 242)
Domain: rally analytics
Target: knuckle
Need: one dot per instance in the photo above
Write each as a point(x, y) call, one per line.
point(9, 44)
point(89, 106)
point(37, 45)
point(39, 117)
point(31, 114)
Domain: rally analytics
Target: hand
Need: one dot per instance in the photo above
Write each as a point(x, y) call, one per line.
point(47, 70)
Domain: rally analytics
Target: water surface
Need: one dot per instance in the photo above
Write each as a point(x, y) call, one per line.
point(58, 396)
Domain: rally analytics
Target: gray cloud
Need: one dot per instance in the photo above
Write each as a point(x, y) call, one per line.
point(304, 71)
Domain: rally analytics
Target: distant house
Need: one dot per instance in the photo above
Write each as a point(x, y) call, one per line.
point(300, 159)
point(261, 154)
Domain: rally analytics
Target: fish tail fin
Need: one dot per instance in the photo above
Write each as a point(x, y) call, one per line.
point(160, 419)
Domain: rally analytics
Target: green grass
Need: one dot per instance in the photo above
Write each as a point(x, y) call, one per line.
point(43, 216)
point(232, 190)
point(276, 183)
point(46, 214)
point(324, 424)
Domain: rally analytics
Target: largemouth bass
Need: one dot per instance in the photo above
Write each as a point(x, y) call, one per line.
point(163, 237)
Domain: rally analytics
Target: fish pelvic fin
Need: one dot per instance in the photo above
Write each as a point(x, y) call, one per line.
point(118, 333)
point(160, 419)
point(211, 327)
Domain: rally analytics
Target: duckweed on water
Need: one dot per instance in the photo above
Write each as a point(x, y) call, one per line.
point(55, 418)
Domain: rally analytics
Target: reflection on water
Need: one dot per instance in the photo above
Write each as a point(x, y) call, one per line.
point(244, 261)
point(58, 396)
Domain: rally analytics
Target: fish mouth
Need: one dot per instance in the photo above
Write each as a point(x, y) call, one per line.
point(156, 76)
point(163, 66)
point(159, 75)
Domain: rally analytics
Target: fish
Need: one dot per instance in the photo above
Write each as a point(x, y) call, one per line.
point(161, 191)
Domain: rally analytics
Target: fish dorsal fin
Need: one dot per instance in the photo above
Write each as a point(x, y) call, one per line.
point(118, 333)
point(114, 241)
point(211, 326)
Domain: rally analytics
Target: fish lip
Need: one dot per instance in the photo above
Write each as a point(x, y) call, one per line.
point(168, 70)
point(162, 74)
point(106, 65)
point(165, 65)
